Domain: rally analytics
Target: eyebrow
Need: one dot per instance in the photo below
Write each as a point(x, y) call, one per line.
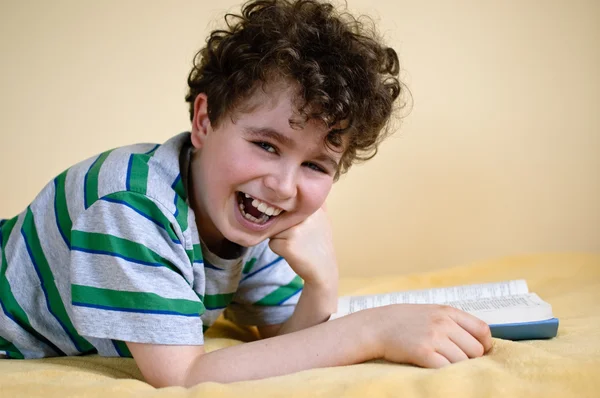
point(267, 132)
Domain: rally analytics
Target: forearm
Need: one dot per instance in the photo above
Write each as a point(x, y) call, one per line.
point(343, 341)
point(315, 306)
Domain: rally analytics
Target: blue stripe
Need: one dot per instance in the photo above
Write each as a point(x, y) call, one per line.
point(56, 216)
point(152, 150)
point(85, 182)
point(292, 295)
point(210, 266)
point(127, 183)
point(176, 180)
point(2, 222)
point(133, 260)
point(175, 203)
point(35, 266)
point(104, 307)
point(121, 202)
point(263, 268)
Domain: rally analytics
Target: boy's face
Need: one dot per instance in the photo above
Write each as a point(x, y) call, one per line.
point(257, 177)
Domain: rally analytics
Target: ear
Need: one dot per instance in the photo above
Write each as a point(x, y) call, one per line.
point(201, 122)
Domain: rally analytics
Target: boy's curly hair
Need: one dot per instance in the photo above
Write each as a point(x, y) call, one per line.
point(343, 72)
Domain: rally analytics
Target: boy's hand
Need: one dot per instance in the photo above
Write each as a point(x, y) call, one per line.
point(308, 249)
point(430, 336)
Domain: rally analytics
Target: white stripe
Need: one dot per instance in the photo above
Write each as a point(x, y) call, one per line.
point(139, 328)
point(105, 347)
point(109, 272)
point(199, 278)
point(210, 316)
point(222, 281)
point(163, 168)
point(113, 173)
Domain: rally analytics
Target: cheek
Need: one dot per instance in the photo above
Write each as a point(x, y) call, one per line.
point(314, 194)
point(228, 171)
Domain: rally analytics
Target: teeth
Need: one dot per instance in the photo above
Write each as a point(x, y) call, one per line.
point(250, 217)
point(263, 207)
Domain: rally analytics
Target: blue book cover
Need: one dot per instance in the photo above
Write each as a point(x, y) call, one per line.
point(546, 329)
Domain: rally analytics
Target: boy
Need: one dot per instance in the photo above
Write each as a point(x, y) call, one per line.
point(137, 251)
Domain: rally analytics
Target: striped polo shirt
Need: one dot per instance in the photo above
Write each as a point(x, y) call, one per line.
point(109, 252)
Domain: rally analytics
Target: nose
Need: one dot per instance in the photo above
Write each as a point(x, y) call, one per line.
point(282, 182)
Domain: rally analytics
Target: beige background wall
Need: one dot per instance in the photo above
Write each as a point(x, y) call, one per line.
point(500, 155)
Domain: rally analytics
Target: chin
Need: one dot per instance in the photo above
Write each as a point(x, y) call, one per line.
point(244, 239)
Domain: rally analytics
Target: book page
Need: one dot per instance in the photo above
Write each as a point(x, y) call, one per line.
point(444, 295)
point(511, 309)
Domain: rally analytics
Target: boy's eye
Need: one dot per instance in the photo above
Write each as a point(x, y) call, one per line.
point(267, 147)
point(315, 167)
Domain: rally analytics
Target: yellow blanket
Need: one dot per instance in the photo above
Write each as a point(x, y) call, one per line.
point(568, 365)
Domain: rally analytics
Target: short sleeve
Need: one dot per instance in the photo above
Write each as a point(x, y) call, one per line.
point(268, 291)
point(131, 277)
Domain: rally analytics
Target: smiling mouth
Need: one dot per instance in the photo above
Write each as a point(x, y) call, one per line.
point(256, 210)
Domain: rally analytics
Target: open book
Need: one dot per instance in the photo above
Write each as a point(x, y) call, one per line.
point(512, 312)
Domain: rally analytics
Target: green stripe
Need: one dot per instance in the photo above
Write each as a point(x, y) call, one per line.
point(114, 246)
point(248, 266)
point(91, 180)
point(122, 348)
point(281, 293)
point(137, 178)
point(11, 350)
point(195, 255)
point(214, 301)
point(198, 253)
point(55, 303)
point(147, 207)
point(182, 212)
point(180, 189)
point(136, 301)
point(60, 203)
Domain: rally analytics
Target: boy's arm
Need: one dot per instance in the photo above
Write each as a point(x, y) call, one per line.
point(425, 335)
point(308, 249)
point(329, 344)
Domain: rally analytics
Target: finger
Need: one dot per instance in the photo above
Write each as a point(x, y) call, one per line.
point(475, 326)
point(448, 349)
point(433, 360)
point(466, 342)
